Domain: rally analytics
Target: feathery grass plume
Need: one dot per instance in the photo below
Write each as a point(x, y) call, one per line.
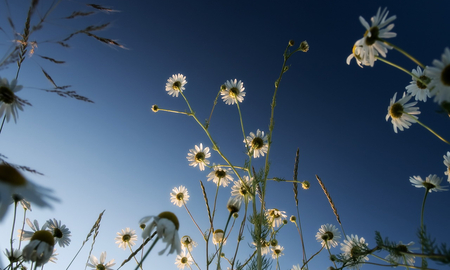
point(101, 8)
point(137, 250)
point(78, 14)
point(19, 167)
point(330, 201)
point(295, 177)
point(207, 204)
point(52, 60)
point(94, 229)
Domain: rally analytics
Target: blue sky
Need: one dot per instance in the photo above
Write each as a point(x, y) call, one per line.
point(116, 154)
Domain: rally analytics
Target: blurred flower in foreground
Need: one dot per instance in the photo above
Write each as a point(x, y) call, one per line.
point(234, 205)
point(232, 92)
point(328, 233)
point(275, 217)
point(167, 225)
point(221, 176)
point(187, 242)
point(179, 195)
point(26, 235)
point(183, 260)
point(126, 238)
point(400, 256)
point(431, 183)
point(13, 183)
point(60, 232)
point(416, 88)
point(447, 163)
point(241, 190)
point(53, 258)
point(218, 237)
point(198, 156)
point(371, 45)
point(9, 103)
point(400, 112)
point(354, 249)
point(440, 78)
point(97, 265)
point(175, 84)
point(14, 256)
point(40, 248)
point(277, 251)
point(257, 144)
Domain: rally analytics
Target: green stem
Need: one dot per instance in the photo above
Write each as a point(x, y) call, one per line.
point(223, 239)
point(146, 254)
point(424, 262)
point(128, 244)
point(212, 110)
point(201, 232)
point(429, 129)
point(402, 69)
point(403, 52)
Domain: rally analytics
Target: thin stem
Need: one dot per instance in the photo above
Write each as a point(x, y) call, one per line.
point(212, 110)
point(429, 129)
point(3, 122)
point(424, 262)
point(146, 254)
point(128, 244)
point(223, 239)
point(193, 219)
point(403, 52)
point(13, 225)
point(172, 111)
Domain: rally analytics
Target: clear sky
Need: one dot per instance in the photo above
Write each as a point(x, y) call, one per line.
point(119, 156)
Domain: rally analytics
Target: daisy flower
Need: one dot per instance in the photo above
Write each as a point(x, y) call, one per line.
point(371, 45)
point(166, 225)
point(400, 112)
point(242, 191)
point(218, 237)
point(12, 183)
point(277, 251)
point(60, 232)
point(297, 267)
point(431, 183)
point(183, 260)
point(26, 235)
point(265, 247)
point(221, 176)
point(234, 205)
point(95, 264)
point(13, 256)
point(328, 233)
point(175, 84)
point(257, 144)
point(416, 88)
point(126, 238)
point(179, 195)
point(275, 217)
point(447, 163)
point(53, 258)
point(439, 74)
point(354, 249)
point(9, 102)
point(26, 205)
point(187, 242)
point(398, 257)
point(232, 92)
point(198, 156)
point(40, 248)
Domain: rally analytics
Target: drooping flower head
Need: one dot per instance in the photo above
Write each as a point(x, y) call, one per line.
point(371, 45)
point(400, 111)
point(12, 183)
point(354, 250)
point(59, 231)
point(198, 156)
point(126, 238)
point(187, 242)
point(234, 205)
point(100, 265)
point(221, 176)
point(175, 84)
point(277, 251)
point(431, 183)
point(257, 144)
point(242, 189)
point(328, 234)
point(166, 225)
point(400, 254)
point(179, 195)
point(26, 235)
point(40, 248)
point(418, 88)
point(439, 74)
point(447, 163)
point(9, 102)
point(183, 260)
point(218, 237)
point(232, 92)
point(275, 217)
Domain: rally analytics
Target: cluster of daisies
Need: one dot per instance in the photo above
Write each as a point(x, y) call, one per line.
point(433, 182)
point(427, 81)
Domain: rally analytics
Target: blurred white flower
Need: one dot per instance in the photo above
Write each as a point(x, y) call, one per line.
point(399, 256)
point(241, 190)
point(416, 88)
point(183, 260)
point(439, 74)
point(179, 195)
point(126, 238)
point(60, 232)
point(277, 251)
point(221, 175)
point(167, 225)
point(447, 163)
point(187, 242)
point(431, 183)
point(354, 249)
point(175, 84)
point(275, 217)
point(40, 248)
point(328, 233)
point(218, 237)
point(400, 112)
point(232, 92)
point(257, 144)
point(14, 256)
point(96, 264)
point(9, 103)
point(26, 235)
point(198, 156)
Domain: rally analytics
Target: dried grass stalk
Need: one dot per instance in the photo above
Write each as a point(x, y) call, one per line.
point(207, 204)
point(329, 200)
point(295, 178)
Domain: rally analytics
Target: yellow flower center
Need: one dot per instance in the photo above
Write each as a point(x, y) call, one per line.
point(428, 185)
point(257, 143)
point(172, 217)
point(43, 236)
point(184, 260)
point(176, 86)
point(327, 236)
point(11, 176)
point(200, 156)
point(425, 81)
point(305, 185)
point(234, 92)
point(100, 266)
point(445, 76)
point(6, 95)
point(220, 173)
point(180, 196)
point(396, 110)
point(126, 238)
point(355, 252)
point(374, 31)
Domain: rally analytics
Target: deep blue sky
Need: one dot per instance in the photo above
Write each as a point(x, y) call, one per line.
point(118, 155)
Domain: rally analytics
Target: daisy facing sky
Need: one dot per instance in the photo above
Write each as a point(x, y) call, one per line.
point(353, 249)
point(400, 112)
point(221, 175)
point(126, 238)
point(59, 231)
point(179, 195)
point(198, 156)
point(416, 88)
point(431, 183)
point(9, 102)
point(257, 143)
point(232, 92)
point(439, 74)
point(175, 84)
point(96, 264)
point(328, 233)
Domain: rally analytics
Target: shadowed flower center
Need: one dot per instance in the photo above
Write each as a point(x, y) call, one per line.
point(100, 266)
point(374, 31)
point(57, 233)
point(142, 226)
point(396, 110)
point(11, 176)
point(355, 252)
point(176, 85)
point(200, 156)
point(187, 241)
point(257, 143)
point(172, 217)
point(428, 185)
point(184, 260)
point(274, 242)
point(424, 79)
point(399, 249)
point(6, 95)
point(243, 191)
point(220, 173)
point(445, 76)
point(43, 236)
point(180, 196)
point(234, 92)
point(327, 236)
point(277, 251)
point(126, 238)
